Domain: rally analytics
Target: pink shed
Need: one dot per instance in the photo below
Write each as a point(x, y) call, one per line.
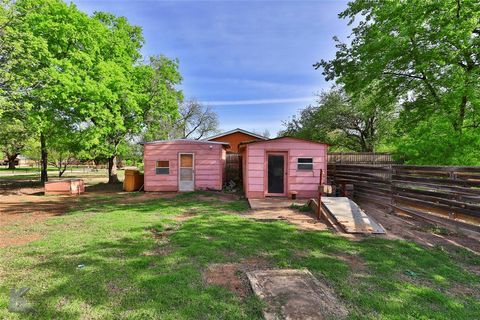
point(278, 167)
point(184, 165)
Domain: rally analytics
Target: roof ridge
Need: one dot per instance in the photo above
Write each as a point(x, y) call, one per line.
point(236, 130)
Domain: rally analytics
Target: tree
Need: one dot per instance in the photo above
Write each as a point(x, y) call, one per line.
point(163, 98)
point(64, 146)
point(345, 123)
point(52, 71)
point(83, 74)
point(134, 96)
point(193, 121)
point(196, 121)
point(14, 134)
point(265, 133)
point(424, 56)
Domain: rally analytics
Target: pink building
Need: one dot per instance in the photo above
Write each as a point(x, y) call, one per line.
point(184, 165)
point(281, 166)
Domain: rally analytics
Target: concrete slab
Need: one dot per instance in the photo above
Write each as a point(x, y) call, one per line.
point(269, 203)
point(350, 216)
point(295, 294)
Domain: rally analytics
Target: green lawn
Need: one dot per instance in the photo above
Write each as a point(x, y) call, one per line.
point(21, 175)
point(130, 274)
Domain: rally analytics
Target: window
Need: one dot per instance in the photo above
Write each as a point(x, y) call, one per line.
point(305, 164)
point(162, 167)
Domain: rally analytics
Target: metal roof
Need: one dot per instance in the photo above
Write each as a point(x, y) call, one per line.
point(301, 139)
point(234, 131)
point(184, 140)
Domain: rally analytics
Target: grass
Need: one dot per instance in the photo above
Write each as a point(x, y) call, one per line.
point(302, 208)
point(30, 175)
point(126, 278)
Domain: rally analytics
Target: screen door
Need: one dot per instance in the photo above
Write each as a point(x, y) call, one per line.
point(186, 173)
point(276, 174)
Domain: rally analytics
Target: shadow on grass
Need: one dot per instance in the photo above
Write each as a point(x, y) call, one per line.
point(122, 280)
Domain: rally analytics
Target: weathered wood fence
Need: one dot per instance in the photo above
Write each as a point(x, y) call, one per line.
point(436, 193)
point(361, 158)
point(233, 168)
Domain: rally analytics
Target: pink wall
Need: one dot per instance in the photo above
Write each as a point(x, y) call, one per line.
point(305, 183)
point(66, 186)
point(209, 164)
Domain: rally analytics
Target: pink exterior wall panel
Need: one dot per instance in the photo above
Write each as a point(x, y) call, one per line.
point(209, 163)
point(65, 186)
point(304, 182)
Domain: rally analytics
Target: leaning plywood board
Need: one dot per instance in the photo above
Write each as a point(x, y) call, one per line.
point(350, 217)
point(295, 295)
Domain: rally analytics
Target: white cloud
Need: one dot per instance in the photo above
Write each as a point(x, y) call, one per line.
point(257, 101)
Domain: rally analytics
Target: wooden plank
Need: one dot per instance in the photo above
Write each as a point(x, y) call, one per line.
point(437, 168)
point(437, 219)
point(354, 167)
point(445, 194)
point(436, 186)
point(472, 213)
point(439, 181)
point(436, 199)
point(374, 175)
point(349, 215)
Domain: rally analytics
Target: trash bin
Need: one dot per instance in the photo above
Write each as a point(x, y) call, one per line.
point(133, 180)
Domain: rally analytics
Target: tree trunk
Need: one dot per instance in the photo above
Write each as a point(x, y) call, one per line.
point(112, 170)
point(461, 114)
point(61, 170)
point(44, 155)
point(11, 161)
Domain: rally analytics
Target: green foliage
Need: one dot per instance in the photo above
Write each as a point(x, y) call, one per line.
point(80, 80)
point(14, 133)
point(360, 124)
point(423, 55)
point(163, 100)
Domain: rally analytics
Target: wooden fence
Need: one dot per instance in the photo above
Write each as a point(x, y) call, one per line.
point(436, 193)
point(360, 158)
point(233, 168)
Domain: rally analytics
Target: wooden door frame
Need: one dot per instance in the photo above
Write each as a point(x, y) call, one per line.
point(180, 166)
point(285, 172)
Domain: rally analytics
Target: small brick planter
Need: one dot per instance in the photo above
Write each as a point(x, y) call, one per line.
point(67, 187)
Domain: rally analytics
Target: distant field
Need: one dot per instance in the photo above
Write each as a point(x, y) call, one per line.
point(9, 182)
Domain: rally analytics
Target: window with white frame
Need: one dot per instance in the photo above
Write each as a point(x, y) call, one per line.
point(162, 167)
point(305, 164)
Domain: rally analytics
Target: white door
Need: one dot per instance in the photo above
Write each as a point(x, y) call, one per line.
point(186, 175)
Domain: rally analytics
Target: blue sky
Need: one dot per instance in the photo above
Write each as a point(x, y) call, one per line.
point(250, 60)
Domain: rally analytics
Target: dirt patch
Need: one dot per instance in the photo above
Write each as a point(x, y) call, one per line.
point(458, 289)
point(215, 196)
point(24, 205)
point(17, 240)
point(114, 289)
point(302, 220)
point(167, 231)
point(358, 267)
point(419, 231)
point(133, 197)
point(185, 216)
point(61, 303)
point(232, 276)
point(23, 210)
point(162, 241)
